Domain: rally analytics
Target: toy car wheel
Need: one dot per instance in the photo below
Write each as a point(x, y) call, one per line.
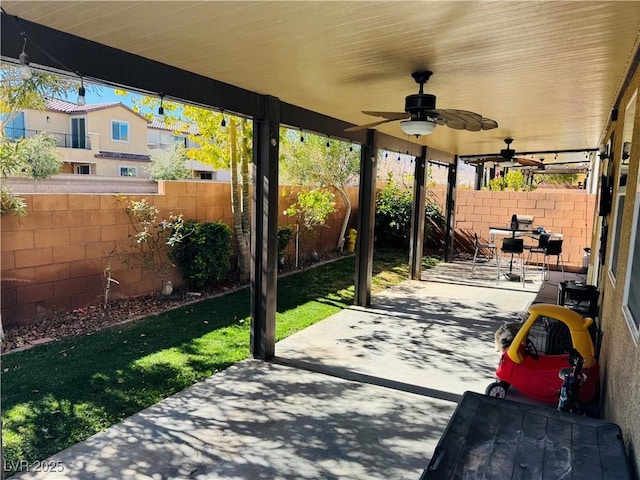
point(497, 389)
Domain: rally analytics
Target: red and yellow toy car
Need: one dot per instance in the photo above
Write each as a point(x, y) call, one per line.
point(535, 374)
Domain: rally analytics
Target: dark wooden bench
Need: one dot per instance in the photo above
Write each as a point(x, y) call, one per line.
point(496, 439)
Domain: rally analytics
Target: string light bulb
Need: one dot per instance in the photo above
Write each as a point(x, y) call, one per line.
point(223, 123)
point(25, 69)
point(161, 108)
point(81, 93)
point(301, 136)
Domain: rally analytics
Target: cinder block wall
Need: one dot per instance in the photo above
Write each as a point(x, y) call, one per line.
point(569, 212)
point(54, 259)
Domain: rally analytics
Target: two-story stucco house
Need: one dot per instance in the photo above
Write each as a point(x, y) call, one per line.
point(161, 136)
point(105, 139)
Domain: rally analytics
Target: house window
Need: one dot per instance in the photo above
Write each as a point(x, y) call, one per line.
point(78, 132)
point(119, 131)
point(621, 187)
point(126, 171)
point(631, 299)
point(206, 176)
point(615, 240)
point(180, 140)
point(83, 169)
point(15, 128)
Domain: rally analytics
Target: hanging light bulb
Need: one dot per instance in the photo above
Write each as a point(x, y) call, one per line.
point(25, 69)
point(161, 107)
point(81, 92)
point(351, 147)
point(301, 136)
point(328, 142)
point(223, 123)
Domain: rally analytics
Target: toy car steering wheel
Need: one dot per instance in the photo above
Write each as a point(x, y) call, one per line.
point(530, 349)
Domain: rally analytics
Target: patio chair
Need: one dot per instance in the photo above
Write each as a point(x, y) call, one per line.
point(491, 247)
point(541, 248)
point(512, 247)
point(553, 249)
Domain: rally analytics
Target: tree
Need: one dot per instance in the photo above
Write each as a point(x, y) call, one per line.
point(557, 178)
point(310, 210)
point(17, 94)
point(321, 162)
point(153, 236)
point(34, 157)
point(169, 164)
point(223, 141)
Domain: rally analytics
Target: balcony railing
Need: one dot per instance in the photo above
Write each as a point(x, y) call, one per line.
point(63, 140)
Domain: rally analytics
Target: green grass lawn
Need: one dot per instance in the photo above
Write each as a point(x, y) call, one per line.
point(58, 394)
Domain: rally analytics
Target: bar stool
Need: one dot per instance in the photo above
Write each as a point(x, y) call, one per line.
point(512, 247)
point(553, 249)
point(541, 248)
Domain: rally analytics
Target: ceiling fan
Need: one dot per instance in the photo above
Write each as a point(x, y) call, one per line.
point(507, 155)
point(420, 116)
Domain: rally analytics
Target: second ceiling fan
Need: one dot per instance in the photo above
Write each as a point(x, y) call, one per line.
point(507, 155)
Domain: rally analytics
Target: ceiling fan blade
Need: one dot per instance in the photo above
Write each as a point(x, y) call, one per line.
point(463, 120)
point(388, 115)
point(488, 124)
point(527, 162)
point(368, 125)
point(476, 161)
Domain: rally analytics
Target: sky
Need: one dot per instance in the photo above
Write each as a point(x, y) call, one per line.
point(103, 94)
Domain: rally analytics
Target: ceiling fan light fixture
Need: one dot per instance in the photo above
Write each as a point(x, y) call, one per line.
point(418, 127)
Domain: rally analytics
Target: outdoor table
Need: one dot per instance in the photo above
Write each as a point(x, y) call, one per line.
point(496, 439)
point(502, 230)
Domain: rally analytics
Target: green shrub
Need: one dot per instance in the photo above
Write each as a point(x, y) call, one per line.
point(204, 254)
point(514, 180)
point(284, 237)
point(497, 184)
point(393, 215)
point(393, 218)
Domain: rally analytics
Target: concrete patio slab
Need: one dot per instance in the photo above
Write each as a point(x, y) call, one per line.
point(432, 335)
point(365, 393)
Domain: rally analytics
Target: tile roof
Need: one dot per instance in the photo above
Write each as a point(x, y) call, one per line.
point(64, 106)
point(179, 126)
point(124, 156)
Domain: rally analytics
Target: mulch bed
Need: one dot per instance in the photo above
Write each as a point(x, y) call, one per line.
point(96, 317)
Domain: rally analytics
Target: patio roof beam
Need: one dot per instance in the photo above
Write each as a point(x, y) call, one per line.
point(537, 152)
point(450, 209)
point(366, 220)
point(264, 229)
point(417, 216)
